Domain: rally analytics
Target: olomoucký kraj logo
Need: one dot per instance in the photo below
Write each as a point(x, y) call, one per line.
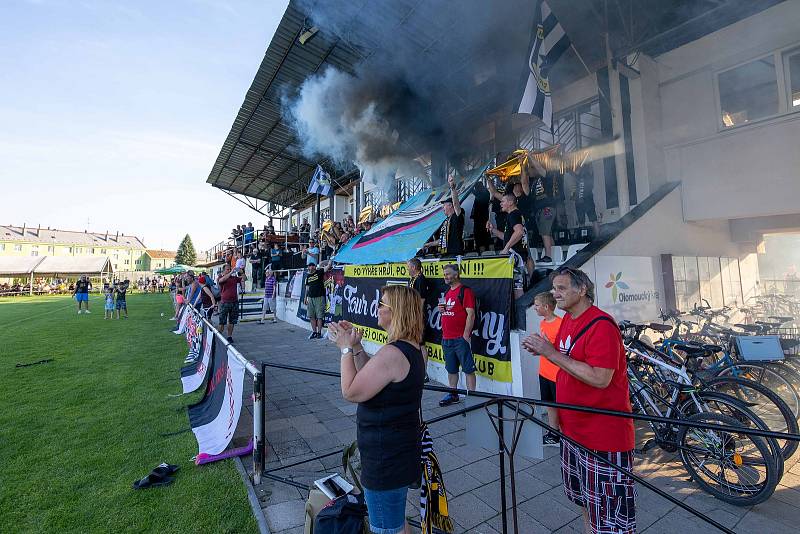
point(615, 283)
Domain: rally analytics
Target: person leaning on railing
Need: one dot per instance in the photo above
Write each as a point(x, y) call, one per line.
point(591, 359)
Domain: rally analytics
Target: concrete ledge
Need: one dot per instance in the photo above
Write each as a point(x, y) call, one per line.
point(258, 513)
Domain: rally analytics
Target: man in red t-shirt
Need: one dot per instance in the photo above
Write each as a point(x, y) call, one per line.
point(229, 282)
point(591, 358)
point(458, 318)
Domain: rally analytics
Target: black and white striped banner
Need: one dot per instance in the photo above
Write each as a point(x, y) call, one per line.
point(549, 41)
point(193, 375)
point(215, 417)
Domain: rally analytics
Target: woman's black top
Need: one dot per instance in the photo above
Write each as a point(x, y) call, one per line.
point(388, 428)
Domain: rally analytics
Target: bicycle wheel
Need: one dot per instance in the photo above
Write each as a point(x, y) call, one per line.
point(768, 406)
point(769, 378)
point(711, 401)
point(733, 467)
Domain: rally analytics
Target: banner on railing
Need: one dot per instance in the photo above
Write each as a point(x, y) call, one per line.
point(215, 417)
point(490, 279)
point(193, 375)
point(334, 283)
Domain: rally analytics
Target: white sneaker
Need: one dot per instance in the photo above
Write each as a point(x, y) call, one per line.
point(87, 311)
point(79, 312)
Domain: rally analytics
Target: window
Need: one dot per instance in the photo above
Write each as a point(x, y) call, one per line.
point(51, 249)
point(93, 250)
point(138, 262)
point(792, 69)
point(2, 246)
point(102, 251)
point(17, 248)
point(127, 262)
point(34, 252)
point(80, 250)
point(71, 250)
point(748, 92)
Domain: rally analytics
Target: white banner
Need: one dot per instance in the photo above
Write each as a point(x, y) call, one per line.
point(215, 417)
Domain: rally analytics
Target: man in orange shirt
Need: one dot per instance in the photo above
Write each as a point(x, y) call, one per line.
point(545, 305)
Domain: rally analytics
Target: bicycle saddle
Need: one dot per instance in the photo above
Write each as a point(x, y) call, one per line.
point(692, 350)
point(658, 327)
point(748, 327)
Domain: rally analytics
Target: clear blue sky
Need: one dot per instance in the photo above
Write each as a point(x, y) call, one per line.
point(114, 111)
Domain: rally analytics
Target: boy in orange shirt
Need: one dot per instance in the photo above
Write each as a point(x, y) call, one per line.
point(545, 305)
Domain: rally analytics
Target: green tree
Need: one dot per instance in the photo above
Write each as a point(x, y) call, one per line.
point(186, 254)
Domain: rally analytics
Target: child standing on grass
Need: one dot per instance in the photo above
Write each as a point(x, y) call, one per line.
point(545, 305)
point(109, 296)
point(119, 292)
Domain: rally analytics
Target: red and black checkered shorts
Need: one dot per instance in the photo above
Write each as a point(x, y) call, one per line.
point(606, 493)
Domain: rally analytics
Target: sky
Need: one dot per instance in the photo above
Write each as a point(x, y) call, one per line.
point(112, 113)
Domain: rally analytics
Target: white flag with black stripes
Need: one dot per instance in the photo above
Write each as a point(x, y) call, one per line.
point(548, 42)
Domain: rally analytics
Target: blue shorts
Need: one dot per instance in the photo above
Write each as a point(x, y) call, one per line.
point(386, 509)
point(82, 297)
point(121, 305)
point(458, 353)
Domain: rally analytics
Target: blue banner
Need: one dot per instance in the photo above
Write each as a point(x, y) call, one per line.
point(399, 236)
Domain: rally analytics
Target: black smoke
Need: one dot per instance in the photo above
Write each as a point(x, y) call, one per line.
point(430, 74)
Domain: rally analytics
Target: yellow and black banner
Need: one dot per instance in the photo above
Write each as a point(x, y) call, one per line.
point(490, 279)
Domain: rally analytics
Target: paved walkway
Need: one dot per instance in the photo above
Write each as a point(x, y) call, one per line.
point(306, 416)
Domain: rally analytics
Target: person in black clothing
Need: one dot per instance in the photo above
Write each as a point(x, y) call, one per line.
point(120, 291)
point(315, 298)
point(584, 197)
point(545, 190)
point(256, 269)
point(420, 284)
point(388, 390)
point(451, 234)
point(81, 292)
point(480, 216)
point(514, 238)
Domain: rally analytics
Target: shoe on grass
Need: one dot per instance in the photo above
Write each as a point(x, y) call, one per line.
point(448, 399)
point(230, 339)
point(260, 321)
point(79, 312)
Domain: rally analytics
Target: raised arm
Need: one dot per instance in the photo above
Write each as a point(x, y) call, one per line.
point(454, 195)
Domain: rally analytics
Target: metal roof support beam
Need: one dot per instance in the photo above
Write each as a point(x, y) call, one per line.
point(247, 202)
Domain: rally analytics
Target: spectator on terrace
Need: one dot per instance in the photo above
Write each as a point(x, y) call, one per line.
point(311, 253)
point(305, 231)
point(545, 191)
point(451, 234)
point(207, 299)
point(514, 239)
point(592, 372)
point(388, 388)
point(349, 225)
point(249, 233)
point(275, 256)
point(255, 265)
point(583, 195)
point(480, 216)
point(237, 234)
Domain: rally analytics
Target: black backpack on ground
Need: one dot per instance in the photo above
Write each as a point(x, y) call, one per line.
point(343, 515)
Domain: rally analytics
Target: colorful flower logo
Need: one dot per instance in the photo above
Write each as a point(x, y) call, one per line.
point(615, 282)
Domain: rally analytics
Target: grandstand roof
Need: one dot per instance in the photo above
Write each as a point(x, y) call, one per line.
point(54, 236)
point(161, 254)
point(262, 157)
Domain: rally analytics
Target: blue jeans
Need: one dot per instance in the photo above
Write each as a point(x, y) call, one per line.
point(458, 353)
point(386, 509)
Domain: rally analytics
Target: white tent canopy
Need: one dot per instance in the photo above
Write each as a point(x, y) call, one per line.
point(30, 266)
point(72, 265)
point(18, 265)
